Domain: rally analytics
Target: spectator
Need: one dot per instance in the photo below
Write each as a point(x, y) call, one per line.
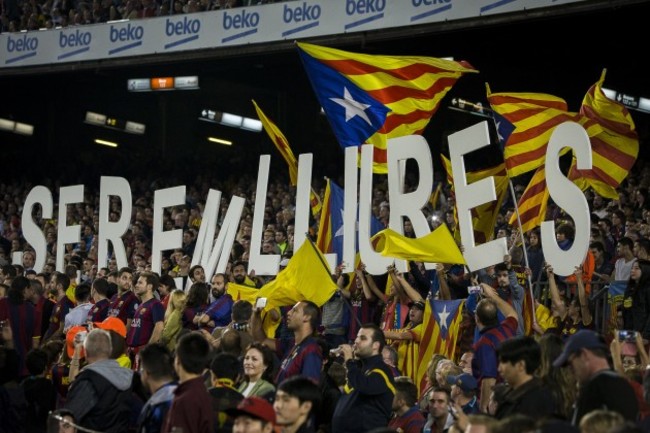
point(18, 314)
point(258, 372)
point(225, 372)
point(519, 358)
point(587, 354)
point(295, 400)
point(485, 362)
point(157, 376)
point(305, 358)
point(253, 415)
point(99, 396)
point(191, 408)
point(407, 417)
point(147, 324)
point(370, 384)
point(172, 324)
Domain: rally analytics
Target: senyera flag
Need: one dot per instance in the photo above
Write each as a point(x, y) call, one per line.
point(371, 98)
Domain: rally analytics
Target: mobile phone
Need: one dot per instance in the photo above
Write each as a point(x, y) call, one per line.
point(625, 335)
point(474, 289)
point(261, 303)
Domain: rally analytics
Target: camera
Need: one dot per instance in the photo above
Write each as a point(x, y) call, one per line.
point(475, 289)
point(627, 335)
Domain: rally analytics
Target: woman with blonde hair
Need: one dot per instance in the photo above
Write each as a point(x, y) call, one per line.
point(172, 322)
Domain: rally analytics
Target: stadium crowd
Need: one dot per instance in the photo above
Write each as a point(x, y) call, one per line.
point(126, 349)
point(23, 15)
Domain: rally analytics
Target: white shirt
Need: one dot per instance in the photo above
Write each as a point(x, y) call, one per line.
point(77, 316)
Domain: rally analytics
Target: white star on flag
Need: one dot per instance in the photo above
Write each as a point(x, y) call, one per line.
point(352, 108)
point(443, 318)
point(499, 136)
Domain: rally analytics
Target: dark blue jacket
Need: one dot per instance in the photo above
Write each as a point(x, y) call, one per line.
point(367, 401)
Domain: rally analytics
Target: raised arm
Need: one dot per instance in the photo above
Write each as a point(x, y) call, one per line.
point(585, 311)
point(558, 305)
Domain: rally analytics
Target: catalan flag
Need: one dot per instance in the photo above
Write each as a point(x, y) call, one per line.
point(330, 228)
point(534, 117)
point(371, 98)
point(532, 204)
point(484, 216)
point(282, 145)
point(440, 329)
point(614, 148)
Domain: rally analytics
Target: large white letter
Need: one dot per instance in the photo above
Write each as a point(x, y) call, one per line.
point(113, 230)
point(165, 240)
point(303, 208)
point(409, 204)
point(32, 232)
point(219, 256)
point(267, 264)
point(471, 196)
point(568, 196)
point(376, 264)
point(67, 234)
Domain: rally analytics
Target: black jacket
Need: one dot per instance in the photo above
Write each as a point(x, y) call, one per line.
point(367, 401)
point(531, 399)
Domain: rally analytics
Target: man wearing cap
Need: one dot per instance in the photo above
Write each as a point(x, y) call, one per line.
point(253, 415)
point(463, 392)
point(600, 387)
point(408, 339)
point(519, 358)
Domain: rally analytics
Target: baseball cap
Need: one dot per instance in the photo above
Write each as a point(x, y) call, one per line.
point(255, 407)
point(112, 324)
point(583, 339)
point(69, 339)
point(417, 304)
point(464, 381)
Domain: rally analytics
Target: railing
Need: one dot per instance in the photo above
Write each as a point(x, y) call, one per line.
point(599, 302)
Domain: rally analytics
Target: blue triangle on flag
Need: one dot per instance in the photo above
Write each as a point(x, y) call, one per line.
point(353, 114)
point(504, 128)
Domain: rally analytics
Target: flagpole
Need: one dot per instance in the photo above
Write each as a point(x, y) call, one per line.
point(523, 245)
point(320, 257)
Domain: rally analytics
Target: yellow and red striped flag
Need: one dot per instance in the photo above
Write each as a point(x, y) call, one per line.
point(440, 329)
point(281, 143)
point(371, 98)
point(534, 117)
point(483, 217)
point(614, 148)
point(532, 204)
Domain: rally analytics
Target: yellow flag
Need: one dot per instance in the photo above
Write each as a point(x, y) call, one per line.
point(250, 294)
point(304, 278)
point(239, 291)
point(438, 246)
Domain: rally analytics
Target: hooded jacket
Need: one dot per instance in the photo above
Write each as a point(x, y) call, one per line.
point(99, 397)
